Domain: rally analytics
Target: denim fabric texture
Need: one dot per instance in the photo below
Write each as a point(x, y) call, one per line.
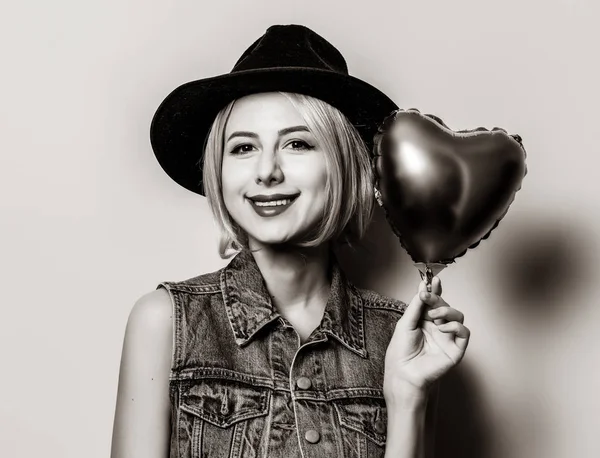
point(242, 384)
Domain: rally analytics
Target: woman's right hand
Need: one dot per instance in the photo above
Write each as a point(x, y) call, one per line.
point(422, 350)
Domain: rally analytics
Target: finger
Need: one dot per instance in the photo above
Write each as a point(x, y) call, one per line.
point(447, 313)
point(423, 288)
point(461, 332)
point(436, 286)
point(433, 301)
point(412, 314)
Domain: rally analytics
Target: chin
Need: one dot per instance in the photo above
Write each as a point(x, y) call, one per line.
point(271, 240)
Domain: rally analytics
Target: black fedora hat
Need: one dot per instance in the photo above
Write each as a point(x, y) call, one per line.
point(289, 58)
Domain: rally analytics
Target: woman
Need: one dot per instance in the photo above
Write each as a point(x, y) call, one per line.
point(278, 354)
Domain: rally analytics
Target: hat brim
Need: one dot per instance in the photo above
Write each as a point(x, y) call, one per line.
point(182, 121)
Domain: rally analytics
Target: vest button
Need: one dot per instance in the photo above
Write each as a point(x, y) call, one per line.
point(312, 436)
point(380, 427)
point(303, 383)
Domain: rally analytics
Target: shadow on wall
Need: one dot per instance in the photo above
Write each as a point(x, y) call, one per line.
point(542, 266)
point(464, 428)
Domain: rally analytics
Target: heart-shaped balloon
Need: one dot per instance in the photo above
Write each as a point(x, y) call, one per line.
point(443, 191)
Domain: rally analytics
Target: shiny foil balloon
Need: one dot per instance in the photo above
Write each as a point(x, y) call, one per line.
point(443, 191)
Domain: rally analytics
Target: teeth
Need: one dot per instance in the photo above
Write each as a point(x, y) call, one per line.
point(274, 203)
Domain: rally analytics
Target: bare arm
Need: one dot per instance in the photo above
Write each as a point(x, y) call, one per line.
point(411, 427)
point(142, 416)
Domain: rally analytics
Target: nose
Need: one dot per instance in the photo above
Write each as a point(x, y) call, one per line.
point(268, 170)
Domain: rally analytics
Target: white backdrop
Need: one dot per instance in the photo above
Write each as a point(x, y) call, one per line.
point(90, 222)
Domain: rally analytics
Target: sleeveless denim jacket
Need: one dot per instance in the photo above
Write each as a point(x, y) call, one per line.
point(242, 385)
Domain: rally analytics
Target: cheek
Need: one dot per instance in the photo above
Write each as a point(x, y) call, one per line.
point(318, 181)
point(233, 178)
point(228, 193)
point(309, 174)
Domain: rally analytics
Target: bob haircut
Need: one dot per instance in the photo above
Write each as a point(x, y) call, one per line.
point(349, 187)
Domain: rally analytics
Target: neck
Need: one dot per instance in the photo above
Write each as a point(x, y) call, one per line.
point(298, 279)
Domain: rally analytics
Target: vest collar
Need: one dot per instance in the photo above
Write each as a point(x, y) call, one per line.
point(249, 307)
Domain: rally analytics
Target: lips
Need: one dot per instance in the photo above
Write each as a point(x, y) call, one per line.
point(272, 197)
point(268, 208)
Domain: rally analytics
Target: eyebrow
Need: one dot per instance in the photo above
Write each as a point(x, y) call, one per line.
point(281, 132)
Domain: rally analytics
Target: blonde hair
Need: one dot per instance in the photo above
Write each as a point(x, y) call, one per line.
point(349, 187)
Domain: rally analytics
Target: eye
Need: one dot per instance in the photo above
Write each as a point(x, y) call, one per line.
point(241, 149)
point(300, 145)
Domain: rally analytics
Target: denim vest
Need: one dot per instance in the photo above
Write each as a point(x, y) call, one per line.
point(242, 385)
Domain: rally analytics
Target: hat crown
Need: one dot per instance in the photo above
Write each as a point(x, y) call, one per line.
point(291, 46)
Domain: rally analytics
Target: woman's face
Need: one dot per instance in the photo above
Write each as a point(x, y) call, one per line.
point(274, 172)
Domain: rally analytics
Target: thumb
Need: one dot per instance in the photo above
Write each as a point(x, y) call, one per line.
point(412, 314)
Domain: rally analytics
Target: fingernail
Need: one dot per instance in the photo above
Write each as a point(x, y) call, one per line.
point(425, 295)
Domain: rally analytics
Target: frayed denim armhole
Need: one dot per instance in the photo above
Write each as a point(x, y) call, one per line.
point(175, 320)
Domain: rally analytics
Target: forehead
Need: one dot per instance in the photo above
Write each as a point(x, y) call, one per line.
point(267, 110)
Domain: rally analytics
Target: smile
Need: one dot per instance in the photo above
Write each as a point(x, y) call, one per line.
point(272, 207)
point(274, 203)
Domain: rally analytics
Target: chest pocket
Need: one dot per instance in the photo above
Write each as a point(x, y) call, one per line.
point(221, 418)
point(363, 421)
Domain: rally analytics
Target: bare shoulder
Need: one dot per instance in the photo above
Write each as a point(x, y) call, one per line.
point(149, 331)
point(152, 312)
